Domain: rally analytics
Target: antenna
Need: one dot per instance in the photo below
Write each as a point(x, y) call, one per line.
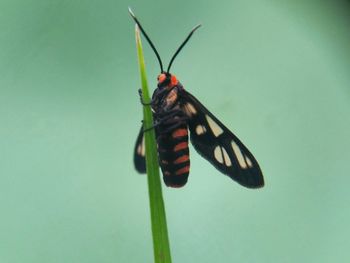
point(148, 39)
point(182, 45)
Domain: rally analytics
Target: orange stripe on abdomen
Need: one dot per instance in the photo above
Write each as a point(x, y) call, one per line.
point(179, 133)
point(181, 146)
point(183, 158)
point(183, 170)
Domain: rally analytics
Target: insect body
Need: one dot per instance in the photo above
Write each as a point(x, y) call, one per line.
point(171, 131)
point(175, 112)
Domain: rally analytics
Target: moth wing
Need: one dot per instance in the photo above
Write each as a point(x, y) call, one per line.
point(139, 153)
point(216, 143)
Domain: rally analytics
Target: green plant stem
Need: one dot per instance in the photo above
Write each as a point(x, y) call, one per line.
point(158, 219)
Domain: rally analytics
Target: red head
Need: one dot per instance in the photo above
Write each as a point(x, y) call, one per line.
point(167, 80)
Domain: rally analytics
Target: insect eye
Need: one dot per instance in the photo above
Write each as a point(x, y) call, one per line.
point(173, 80)
point(161, 78)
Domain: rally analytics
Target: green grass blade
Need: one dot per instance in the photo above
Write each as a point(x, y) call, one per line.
point(158, 219)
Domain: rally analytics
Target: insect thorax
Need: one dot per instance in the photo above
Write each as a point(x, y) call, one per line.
point(166, 99)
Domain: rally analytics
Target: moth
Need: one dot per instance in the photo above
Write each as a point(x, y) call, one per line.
point(178, 115)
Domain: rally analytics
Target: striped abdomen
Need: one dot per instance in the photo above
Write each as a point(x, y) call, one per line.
point(174, 156)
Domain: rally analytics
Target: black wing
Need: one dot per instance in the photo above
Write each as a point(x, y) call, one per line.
point(139, 153)
point(219, 145)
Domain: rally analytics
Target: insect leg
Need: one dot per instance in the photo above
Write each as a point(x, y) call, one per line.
point(142, 102)
point(156, 123)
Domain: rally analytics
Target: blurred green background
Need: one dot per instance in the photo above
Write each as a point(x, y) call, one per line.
point(276, 72)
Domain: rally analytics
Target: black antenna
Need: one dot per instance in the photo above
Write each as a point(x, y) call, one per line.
point(182, 45)
point(149, 40)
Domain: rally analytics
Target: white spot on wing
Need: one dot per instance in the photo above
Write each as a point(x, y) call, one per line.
point(239, 155)
point(141, 148)
point(200, 129)
point(190, 109)
point(221, 156)
point(249, 162)
point(226, 158)
point(215, 128)
point(218, 154)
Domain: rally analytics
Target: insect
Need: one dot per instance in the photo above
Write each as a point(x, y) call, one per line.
point(176, 111)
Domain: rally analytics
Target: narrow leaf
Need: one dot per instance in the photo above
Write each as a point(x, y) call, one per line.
point(158, 218)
